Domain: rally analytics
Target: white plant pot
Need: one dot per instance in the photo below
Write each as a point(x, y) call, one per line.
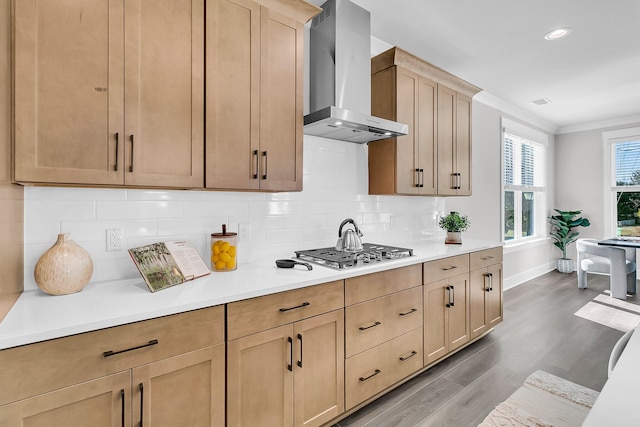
point(564, 265)
point(454, 237)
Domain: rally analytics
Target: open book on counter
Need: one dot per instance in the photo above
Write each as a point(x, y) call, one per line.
point(166, 264)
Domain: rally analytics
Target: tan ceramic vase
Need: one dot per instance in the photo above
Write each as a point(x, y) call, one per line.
point(63, 269)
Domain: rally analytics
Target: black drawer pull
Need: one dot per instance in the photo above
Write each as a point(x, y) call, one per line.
point(304, 304)
point(364, 328)
point(413, 353)
point(486, 258)
point(376, 372)
point(453, 267)
point(113, 353)
point(413, 310)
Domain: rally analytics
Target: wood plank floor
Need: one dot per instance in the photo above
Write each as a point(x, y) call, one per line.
point(540, 331)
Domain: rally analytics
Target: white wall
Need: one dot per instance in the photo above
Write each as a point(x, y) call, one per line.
point(581, 180)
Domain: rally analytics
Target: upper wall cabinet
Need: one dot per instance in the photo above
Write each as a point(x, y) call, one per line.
point(109, 92)
point(435, 157)
point(254, 92)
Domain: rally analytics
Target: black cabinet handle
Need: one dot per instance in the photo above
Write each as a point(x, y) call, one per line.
point(453, 296)
point(376, 372)
point(413, 310)
point(141, 405)
point(255, 154)
point(304, 304)
point(421, 178)
point(264, 171)
point(122, 402)
point(491, 281)
point(117, 147)
point(131, 162)
point(453, 267)
point(290, 364)
point(413, 353)
point(487, 286)
point(417, 177)
point(364, 328)
point(113, 353)
point(300, 361)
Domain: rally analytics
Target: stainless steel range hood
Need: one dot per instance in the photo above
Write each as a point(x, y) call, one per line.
point(340, 77)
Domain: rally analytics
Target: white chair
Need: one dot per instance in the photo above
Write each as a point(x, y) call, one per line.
point(618, 263)
point(617, 350)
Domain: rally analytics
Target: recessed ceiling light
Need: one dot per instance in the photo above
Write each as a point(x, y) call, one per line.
point(558, 33)
point(541, 101)
point(338, 123)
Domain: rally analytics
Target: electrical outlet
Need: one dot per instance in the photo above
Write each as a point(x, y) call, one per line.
point(244, 232)
point(114, 239)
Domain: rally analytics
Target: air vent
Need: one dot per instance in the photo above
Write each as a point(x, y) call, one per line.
point(541, 101)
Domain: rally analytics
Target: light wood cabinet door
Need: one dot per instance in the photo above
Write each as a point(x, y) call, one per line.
point(319, 369)
point(454, 143)
point(290, 375)
point(164, 93)
point(74, 63)
point(104, 402)
point(281, 116)
point(69, 91)
point(485, 291)
point(260, 379)
point(232, 95)
point(446, 322)
point(254, 96)
point(405, 164)
point(185, 390)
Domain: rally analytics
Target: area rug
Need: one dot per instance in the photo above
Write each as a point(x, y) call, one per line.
point(544, 400)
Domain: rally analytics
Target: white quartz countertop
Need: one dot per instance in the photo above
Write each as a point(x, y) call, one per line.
point(616, 404)
point(37, 316)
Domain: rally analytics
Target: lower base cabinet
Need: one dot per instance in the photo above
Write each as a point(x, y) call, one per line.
point(446, 316)
point(100, 403)
point(181, 390)
point(292, 375)
point(380, 367)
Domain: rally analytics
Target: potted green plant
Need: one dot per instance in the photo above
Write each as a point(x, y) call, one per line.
point(563, 232)
point(454, 224)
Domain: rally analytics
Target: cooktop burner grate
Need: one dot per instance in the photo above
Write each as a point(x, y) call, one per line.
point(370, 254)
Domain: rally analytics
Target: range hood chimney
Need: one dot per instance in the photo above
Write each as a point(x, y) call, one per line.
point(340, 77)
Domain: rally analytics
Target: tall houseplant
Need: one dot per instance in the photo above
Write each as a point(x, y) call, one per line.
point(563, 232)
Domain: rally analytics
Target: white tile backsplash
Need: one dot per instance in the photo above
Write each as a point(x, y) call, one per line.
point(335, 187)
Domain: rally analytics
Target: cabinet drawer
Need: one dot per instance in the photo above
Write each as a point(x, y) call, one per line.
point(485, 258)
point(37, 368)
point(373, 322)
point(374, 370)
point(370, 286)
point(445, 268)
point(261, 313)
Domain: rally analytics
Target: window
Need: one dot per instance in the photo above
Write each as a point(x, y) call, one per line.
point(523, 183)
point(626, 186)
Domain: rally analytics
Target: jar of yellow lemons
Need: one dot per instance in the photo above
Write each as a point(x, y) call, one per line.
point(224, 247)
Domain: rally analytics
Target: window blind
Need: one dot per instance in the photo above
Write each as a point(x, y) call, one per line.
point(627, 163)
point(523, 163)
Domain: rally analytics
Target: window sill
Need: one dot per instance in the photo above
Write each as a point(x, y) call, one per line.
point(521, 245)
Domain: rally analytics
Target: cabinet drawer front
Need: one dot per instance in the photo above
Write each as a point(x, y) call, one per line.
point(374, 370)
point(445, 268)
point(374, 322)
point(370, 286)
point(485, 258)
point(261, 313)
point(50, 365)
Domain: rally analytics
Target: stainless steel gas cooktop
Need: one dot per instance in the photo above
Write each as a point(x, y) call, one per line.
point(370, 254)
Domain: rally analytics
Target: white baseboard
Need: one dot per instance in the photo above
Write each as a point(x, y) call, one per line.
point(520, 278)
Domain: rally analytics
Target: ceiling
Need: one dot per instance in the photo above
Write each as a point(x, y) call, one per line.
point(592, 75)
